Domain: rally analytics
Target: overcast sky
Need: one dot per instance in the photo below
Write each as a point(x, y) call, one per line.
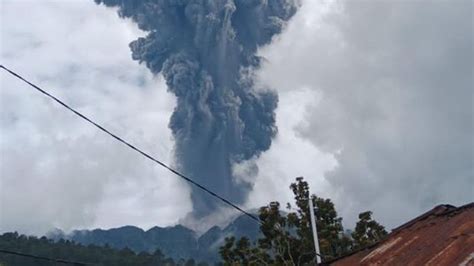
point(376, 111)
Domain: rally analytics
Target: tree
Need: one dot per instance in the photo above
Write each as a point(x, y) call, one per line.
point(287, 237)
point(367, 231)
point(332, 240)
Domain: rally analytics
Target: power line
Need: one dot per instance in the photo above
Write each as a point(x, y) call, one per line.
point(43, 258)
point(131, 146)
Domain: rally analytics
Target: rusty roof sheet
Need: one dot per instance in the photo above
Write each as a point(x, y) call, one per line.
point(441, 236)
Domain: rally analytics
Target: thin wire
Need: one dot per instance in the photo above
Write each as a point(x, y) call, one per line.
point(131, 146)
point(42, 258)
point(134, 148)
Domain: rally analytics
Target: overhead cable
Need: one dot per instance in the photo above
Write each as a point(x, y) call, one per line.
point(128, 144)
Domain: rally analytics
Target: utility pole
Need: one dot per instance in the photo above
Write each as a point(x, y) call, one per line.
point(315, 231)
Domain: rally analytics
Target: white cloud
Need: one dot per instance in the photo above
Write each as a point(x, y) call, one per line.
point(290, 155)
point(396, 102)
point(57, 170)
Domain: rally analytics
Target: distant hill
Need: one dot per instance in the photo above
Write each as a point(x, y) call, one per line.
point(24, 250)
point(177, 242)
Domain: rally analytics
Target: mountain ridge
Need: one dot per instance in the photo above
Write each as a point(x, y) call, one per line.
point(177, 242)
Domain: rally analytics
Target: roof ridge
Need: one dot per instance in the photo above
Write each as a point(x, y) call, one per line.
point(446, 207)
point(465, 206)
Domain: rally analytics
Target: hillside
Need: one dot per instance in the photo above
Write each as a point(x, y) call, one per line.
point(45, 249)
point(177, 242)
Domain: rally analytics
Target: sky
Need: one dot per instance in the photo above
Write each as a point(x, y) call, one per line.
point(375, 111)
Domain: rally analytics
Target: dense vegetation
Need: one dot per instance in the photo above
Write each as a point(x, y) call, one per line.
point(287, 237)
point(71, 251)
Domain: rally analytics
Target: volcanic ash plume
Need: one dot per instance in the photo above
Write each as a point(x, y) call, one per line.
point(205, 50)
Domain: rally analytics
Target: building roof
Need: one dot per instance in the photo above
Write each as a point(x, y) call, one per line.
point(441, 236)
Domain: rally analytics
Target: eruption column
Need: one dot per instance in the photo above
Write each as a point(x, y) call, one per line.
point(205, 50)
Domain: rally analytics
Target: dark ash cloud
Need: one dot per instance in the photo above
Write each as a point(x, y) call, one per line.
point(205, 50)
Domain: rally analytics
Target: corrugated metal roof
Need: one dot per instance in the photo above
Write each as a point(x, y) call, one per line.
point(441, 236)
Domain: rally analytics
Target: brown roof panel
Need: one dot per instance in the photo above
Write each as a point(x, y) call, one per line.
point(442, 236)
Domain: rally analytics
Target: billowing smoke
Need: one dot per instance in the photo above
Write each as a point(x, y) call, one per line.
point(205, 50)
